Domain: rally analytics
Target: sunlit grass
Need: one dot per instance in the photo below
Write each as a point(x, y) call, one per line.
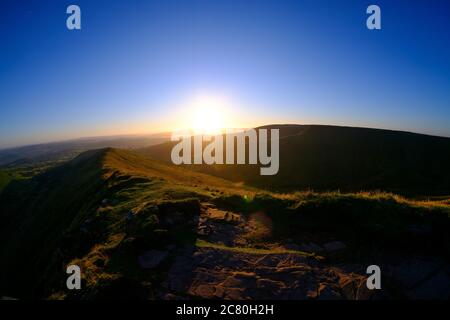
point(205, 244)
point(127, 182)
point(299, 196)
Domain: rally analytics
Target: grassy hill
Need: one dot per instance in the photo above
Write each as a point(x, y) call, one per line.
point(31, 155)
point(107, 208)
point(41, 214)
point(344, 158)
point(5, 178)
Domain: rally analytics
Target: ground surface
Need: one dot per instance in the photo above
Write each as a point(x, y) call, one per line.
point(142, 229)
point(222, 266)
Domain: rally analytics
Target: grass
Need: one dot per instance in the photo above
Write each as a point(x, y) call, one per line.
point(5, 178)
point(98, 189)
point(440, 202)
point(327, 158)
point(376, 220)
point(205, 244)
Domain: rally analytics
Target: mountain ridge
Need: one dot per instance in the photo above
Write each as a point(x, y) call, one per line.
point(142, 229)
point(343, 158)
point(53, 203)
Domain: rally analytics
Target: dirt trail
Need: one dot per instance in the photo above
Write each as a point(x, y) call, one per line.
point(224, 267)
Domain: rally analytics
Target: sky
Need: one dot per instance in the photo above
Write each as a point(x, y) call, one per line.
point(136, 66)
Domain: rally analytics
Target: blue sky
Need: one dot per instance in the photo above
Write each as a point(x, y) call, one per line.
point(281, 61)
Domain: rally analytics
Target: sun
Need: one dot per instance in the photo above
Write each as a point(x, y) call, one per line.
point(208, 114)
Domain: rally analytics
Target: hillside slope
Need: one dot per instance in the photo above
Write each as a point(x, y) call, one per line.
point(344, 158)
point(64, 150)
point(41, 215)
point(142, 229)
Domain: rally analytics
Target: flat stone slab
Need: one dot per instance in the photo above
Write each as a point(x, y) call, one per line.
point(151, 259)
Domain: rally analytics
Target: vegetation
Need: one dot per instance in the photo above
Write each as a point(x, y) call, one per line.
point(5, 178)
point(78, 207)
point(327, 158)
point(205, 244)
point(77, 213)
point(373, 220)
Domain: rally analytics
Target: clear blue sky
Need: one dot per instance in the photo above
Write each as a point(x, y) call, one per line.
point(304, 61)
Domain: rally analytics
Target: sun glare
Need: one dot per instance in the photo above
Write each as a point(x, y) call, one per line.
point(208, 114)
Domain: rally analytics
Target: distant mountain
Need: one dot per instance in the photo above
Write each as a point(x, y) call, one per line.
point(65, 150)
point(346, 158)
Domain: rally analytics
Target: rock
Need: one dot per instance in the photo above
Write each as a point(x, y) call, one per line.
point(311, 247)
point(269, 285)
point(234, 294)
point(363, 293)
point(410, 272)
point(437, 288)
point(219, 292)
point(327, 293)
point(262, 271)
point(291, 269)
point(348, 286)
point(312, 294)
point(334, 246)
point(242, 280)
point(205, 291)
point(171, 296)
point(292, 246)
point(243, 274)
point(203, 231)
point(268, 261)
point(151, 259)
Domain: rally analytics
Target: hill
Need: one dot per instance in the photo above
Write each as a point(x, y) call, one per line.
point(66, 150)
point(344, 158)
point(5, 178)
point(142, 229)
point(50, 207)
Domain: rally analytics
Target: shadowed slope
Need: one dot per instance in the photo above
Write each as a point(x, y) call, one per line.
point(142, 229)
point(38, 215)
point(351, 159)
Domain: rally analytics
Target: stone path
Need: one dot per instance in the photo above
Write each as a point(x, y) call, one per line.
point(225, 266)
point(221, 273)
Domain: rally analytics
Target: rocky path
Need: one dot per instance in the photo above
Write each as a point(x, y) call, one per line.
point(224, 264)
point(223, 274)
point(224, 267)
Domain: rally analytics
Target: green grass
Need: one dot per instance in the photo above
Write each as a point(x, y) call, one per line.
point(380, 221)
point(205, 244)
point(53, 207)
point(5, 179)
point(350, 159)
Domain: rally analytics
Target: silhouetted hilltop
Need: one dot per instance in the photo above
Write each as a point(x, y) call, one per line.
point(346, 158)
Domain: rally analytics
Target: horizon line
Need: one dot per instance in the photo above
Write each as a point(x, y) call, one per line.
point(168, 132)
